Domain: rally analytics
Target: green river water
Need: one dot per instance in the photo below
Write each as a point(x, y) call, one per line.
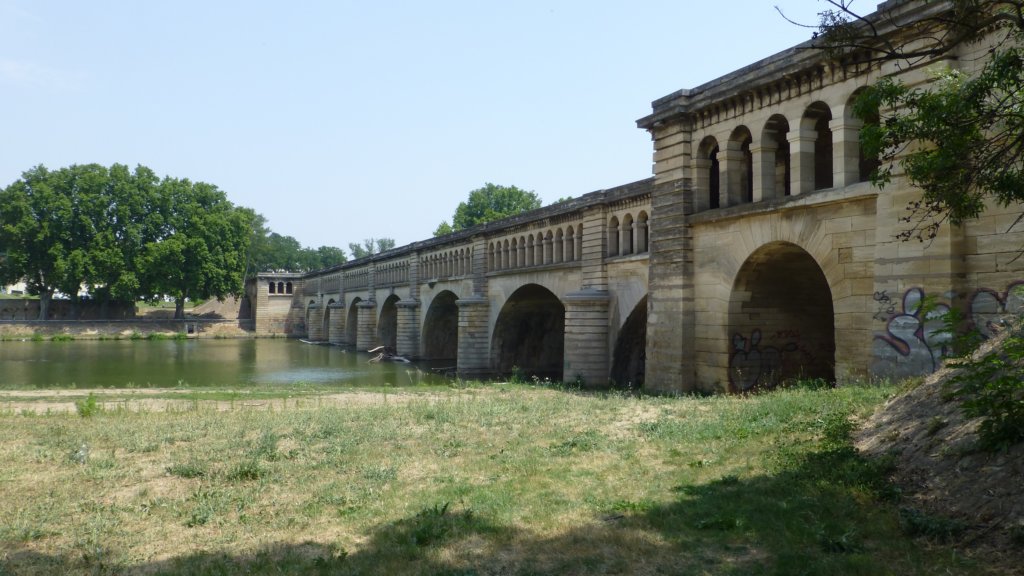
point(195, 363)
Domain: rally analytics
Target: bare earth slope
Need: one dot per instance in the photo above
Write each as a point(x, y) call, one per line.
point(942, 474)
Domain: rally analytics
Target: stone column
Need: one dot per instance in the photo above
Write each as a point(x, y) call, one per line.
point(315, 323)
point(474, 337)
point(730, 169)
point(845, 152)
point(586, 338)
point(336, 326)
point(764, 171)
point(801, 161)
point(408, 341)
point(366, 331)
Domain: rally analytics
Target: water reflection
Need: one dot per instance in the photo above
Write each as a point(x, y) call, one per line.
point(199, 363)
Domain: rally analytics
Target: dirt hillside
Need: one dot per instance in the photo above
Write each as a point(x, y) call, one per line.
point(944, 476)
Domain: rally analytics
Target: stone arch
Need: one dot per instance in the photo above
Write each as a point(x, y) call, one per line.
point(441, 327)
point(570, 244)
point(866, 166)
point(630, 357)
point(706, 175)
point(387, 322)
point(530, 250)
point(288, 288)
point(326, 325)
point(309, 317)
point(505, 263)
point(352, 321)
point(529, 334)
point(775, 152)
point(549, 243)
point(558, 249)
point(514, 254)
point(273, 287)
point(816, 118)
point(781, 320)
point(741, 168)
point(613, 236)
point(626, 243)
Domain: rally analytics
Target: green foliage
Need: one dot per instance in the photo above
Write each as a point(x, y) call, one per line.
point(991, 387)
point(487, 204)
point(88, 407)
point(371, 246)
point(272, 251)
point(958, 139)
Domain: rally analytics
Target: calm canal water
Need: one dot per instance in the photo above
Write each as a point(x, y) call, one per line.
point(194, 363)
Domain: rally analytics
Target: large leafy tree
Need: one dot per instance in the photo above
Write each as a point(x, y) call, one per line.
point(46, 228)
point(487, 204)
point(371, 246)
point(202, 245)
point(960, 139)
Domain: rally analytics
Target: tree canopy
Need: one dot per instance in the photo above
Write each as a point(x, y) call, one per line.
point(487, 204)
point(961, 137)
point(371, 246)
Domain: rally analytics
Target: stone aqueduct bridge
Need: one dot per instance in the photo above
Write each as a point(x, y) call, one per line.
point(558, 292)
point(769, 256)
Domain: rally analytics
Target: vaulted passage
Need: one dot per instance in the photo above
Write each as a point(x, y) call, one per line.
point(326, 326)
point(630, 349)
point(352, 323)
point(530, 333)
point(387, 327)
point(781, 322)
point(441, 328)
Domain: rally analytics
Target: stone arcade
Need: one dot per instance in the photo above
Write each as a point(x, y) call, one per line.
point(758, 252)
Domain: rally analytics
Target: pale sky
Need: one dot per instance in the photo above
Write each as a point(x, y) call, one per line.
point(344, 120)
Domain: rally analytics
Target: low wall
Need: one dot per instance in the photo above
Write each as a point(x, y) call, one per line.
point(96, 329)
point(21, 310)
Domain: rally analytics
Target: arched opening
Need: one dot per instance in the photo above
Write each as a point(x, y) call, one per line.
point(326, 326)
point(775, 139)
point(387, 325)
point(280, 285)
point(781, 321)
point(630, 356)
point(273, 287)
point(626, 244)
point(706, 176)
point(352, 322)
point(570, 244)
point(741, 172)
point(288, 288)
point(613, 237)
point(866, 165)
point(309, 317)
point(558, 250)
point(441, 328)
point(817, 118)
point(529, 335)
point(491, 260)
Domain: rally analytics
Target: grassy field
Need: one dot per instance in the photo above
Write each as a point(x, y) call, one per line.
point(489, 479)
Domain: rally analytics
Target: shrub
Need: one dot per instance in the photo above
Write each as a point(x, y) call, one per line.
point(88, 407)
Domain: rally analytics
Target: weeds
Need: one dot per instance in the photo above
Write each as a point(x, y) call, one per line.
point(88, 407)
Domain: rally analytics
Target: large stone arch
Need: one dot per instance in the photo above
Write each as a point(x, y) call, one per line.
point(387, 322)
point(326, 320)
point(441, 327)
point(310, 318)
point(781, 319)
point(630, 356)
point(529, 334)
point(352, 322)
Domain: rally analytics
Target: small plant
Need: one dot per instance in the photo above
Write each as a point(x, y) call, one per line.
point(916, 523)
point(62, 338)
point(37, 337)
point(192, 469)
point(88, 407)
point(517, 376)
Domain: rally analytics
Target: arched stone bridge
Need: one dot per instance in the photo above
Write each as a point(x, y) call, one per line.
point(758, 253)
point(559, 292)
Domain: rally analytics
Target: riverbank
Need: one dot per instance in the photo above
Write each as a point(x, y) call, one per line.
point(124, 329)
point(484, 479)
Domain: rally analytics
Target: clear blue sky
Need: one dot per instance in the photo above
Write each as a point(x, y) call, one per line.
point(341, 120)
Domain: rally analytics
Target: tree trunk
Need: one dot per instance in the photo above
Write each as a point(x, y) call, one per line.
point(179, 308)
point(44, 303)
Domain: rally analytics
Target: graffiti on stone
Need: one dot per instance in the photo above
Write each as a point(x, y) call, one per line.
point(885, 308)
point(989, 310)
point(754, 363)
point(913, 342)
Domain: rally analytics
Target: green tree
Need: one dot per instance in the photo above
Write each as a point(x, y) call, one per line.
point(46, 228)
point(487, 204)
point(202, 247)
point(371, 246)
point(960, 139)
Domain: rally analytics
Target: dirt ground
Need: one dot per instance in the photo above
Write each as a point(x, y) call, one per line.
point(942, 474)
